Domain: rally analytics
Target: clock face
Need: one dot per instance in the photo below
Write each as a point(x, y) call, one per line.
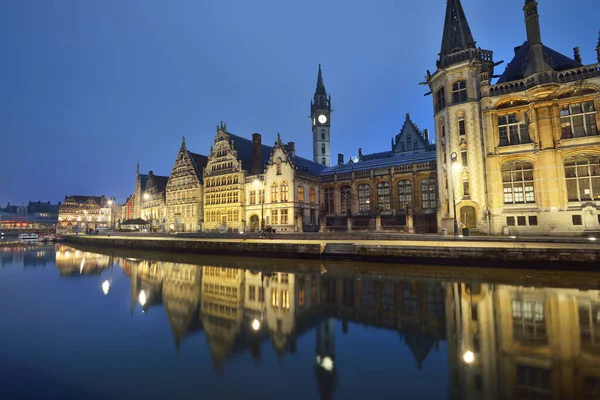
point(322, 119)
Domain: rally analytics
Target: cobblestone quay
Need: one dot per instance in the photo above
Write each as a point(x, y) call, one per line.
point(567, 254)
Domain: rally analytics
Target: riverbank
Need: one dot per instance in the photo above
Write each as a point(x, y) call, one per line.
point(544, 255)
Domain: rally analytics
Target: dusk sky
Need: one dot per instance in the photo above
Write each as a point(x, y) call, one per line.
point(89, 88)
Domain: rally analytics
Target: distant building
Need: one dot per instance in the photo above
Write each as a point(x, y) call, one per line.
point(391, 190)
point(128, 209)
point(149, 199)
point(521, 156)
point(35, 215)
point(84, 212)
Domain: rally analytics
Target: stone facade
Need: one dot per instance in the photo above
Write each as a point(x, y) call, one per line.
point(521, 156)
point(184, 192)
point(78, 213)
point(152, 204)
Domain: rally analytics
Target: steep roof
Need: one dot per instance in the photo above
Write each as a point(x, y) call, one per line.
point(243, 147)
point(514, 69)
point(393, 161)
point(143, 182)
point(99, 200)
point(457, 34)
point(199, 162)
point(38, 206)
point(161, 182)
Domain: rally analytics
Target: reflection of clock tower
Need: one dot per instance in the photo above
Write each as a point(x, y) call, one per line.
point(320, 111)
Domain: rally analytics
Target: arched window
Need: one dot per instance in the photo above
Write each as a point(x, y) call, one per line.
point(323, 134)
point(428, 194)
point(274, 193)
point(329, 204)
point(440, 100)
point(346, 199)
point(279, 166)
point(284, 191)
point(517, 179)
point(404, 193)
point(461, 125)
point(300, 193)
point(323, 161)
point(459, 92)
point(312, 195)
point(322, 148)
point(364, 198)
point(583, 177)
point(383, 196)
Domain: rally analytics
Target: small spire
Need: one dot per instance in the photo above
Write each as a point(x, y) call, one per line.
point(137, 170)
point(577, 55)
point(320, 86)
point(457, 34)
point(183, 143)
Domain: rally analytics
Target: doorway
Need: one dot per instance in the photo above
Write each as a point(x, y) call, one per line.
point(468, 217)
point(254, 223)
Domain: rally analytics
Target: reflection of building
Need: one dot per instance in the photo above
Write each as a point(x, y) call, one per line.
point(520, 155)
point(71, 262)
point(517, 342)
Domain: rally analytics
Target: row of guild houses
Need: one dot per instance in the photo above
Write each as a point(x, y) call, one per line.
point(519, 156)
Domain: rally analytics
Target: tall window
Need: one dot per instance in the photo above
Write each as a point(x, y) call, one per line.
point(323, 134)
point(346, 197)
point(284, 191)
point(323, 161)
point(529, 322)
point(440, 100)
point(461, 125)
point(329, 206)
point(312, 195)
point(261, 196)
point(383, 196)
point(301, 193)
point(404, 193)
point(517, 178)
point(578, 120)
point(513, 129)
point(583, 177)
point(364, 198)
point(428, 194)
point(442, 128)
point(278, 166)
point(323, 148)
point(589, 326)
point(464, 158)
point(273, 193)
point(466, 191)
point(274, 215)
point(459, 92)
point(253, 197)
point(284, 216)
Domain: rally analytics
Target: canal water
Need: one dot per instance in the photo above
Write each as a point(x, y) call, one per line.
point(107, 324)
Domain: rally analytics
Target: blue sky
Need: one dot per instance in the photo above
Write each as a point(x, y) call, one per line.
point(88, 88)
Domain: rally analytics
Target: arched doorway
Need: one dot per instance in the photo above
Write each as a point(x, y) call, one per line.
point(254, 223)
point(468, 216)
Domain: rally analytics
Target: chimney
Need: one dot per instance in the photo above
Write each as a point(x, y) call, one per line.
point(426, 135)
point(257, 165)
point(534, 38)
point(360, 153)
point(577, 55)
point(340, 158)
point(291, 148)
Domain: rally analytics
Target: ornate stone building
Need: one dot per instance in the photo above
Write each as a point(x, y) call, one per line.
point(521, 156)
point(83, 212)
point(240, 172)
point(149, 199)
point(320, 113)
point(391, 190)
point(184, 199)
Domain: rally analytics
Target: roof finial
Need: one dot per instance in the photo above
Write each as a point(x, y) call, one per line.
point(183, 142)
point(320, 85)
point(137, 170)
point(457, 34)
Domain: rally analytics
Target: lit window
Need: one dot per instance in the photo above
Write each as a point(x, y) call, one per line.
point(578, 120)
point(383, 196)
point(404, 193)
point(284, 217)
point(273, 193)
point(300, 193)
point(517, 178)
point(513, 129)
point(583, 177)
point(284, 192)
point(312, 195)
point(274, 217)
point(364, 198)
point(253, 197)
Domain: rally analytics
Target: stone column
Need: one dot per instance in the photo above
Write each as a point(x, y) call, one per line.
point(378, 222)
point(409, 221)
point(349, 223)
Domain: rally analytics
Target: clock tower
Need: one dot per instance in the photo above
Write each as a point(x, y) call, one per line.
point(320, 112)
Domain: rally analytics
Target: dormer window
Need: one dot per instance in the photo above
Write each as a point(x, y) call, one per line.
point(459, 92)
point(440, 100)
point(279, 166)
point(513, 129)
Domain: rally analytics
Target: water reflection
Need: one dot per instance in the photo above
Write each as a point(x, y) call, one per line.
point(501, 340)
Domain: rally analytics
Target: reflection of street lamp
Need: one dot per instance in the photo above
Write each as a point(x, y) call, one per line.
point(142, 298)
point(105, 287)
point(256, 324)
point(468, 357)
point(455, 168)
point(262, 203)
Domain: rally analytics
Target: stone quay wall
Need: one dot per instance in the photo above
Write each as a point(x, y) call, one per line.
point(448, 252)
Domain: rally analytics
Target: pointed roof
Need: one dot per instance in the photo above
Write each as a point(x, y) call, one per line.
point(457, 34)
point(320, 85)
point(199, 162)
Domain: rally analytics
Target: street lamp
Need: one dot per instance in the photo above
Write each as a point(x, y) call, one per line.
point(262, 203)
point(455, 168)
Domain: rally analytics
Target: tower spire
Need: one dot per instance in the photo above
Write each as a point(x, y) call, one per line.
point(457, 34)
point(320, 86)
point(183, 143)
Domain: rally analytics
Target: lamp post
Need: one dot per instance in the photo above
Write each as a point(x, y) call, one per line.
point(455, 168)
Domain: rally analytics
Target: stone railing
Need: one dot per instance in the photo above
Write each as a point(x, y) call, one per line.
point(465, 55)
point(575, 74)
